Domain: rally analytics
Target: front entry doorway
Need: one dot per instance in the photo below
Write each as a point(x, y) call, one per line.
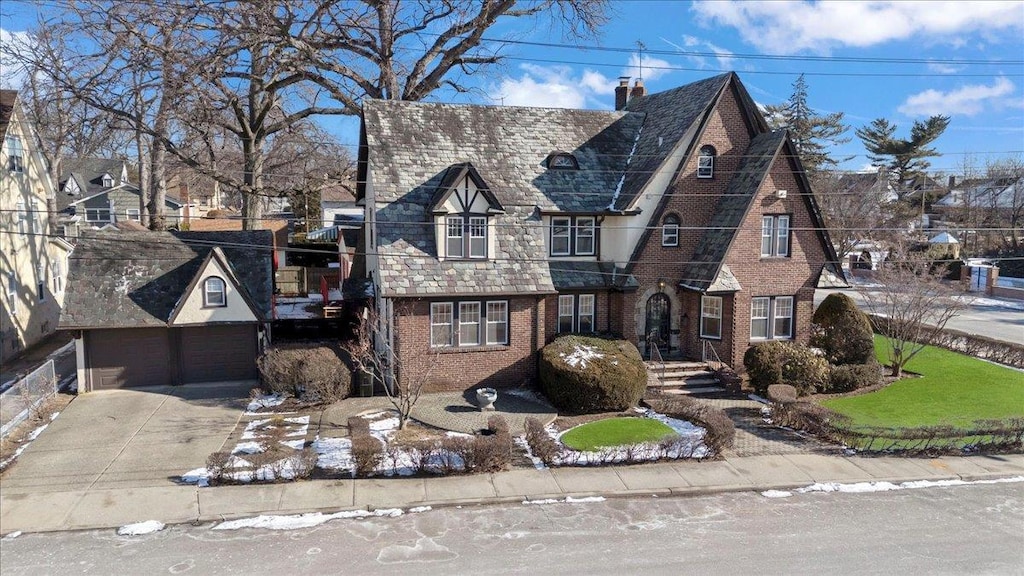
point(659, 315)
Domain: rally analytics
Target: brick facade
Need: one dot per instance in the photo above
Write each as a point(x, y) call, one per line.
point(469, 368)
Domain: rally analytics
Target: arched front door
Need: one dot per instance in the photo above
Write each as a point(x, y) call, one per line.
point(659, 314)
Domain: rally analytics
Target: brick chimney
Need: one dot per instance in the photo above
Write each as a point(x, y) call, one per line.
point(622, 93)
point(638, 90)
point(952, 182)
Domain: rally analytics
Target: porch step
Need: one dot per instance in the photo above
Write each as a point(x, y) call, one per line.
point(675, 382)
point(691, 391)
point(683, 378)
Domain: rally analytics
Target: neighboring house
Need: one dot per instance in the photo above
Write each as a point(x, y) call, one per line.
point(158, 308)
point(33, 260)
point(991, 197)
point(338, 206)
point(678, 220)
point(96, 192)
point(279, 228)
point(874, 184)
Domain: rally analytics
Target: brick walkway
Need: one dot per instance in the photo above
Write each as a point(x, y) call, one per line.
point(755, 437)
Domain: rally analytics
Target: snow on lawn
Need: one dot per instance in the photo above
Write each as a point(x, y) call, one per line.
point(297, 426)
point(998, 303)
point(299, 521)
point(402, 462)
point(239, 469)
point(580, 355)
point(265, 401)
point(690, 445)
point(140, 528)
point(865, 487)
point(334, 454)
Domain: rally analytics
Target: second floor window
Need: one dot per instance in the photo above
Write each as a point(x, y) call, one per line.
point(97, 215)
point(466, 236)
point(58, 280)
point(706, 162)
point(214, 293)
point(12, 293)
point(15, 154)
point(41, 282)
point(775, 236)
point(132, 214)
point(670, 231)
point(573, 236)
point(23, 217)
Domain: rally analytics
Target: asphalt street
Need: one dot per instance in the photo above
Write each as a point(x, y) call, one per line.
point(976, 529)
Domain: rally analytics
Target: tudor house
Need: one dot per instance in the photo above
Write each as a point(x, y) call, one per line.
point(678, 220)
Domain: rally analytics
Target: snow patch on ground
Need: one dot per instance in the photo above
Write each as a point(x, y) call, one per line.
point(419, 509)
point(300, 521)
point(521, 442)
point(334, 454)
point(566, 500)
point(12, 535)
point(691, 445)
point(867, 487)
point(140, 528)
point(265, 401)
point(580, 355)
point(994, 302)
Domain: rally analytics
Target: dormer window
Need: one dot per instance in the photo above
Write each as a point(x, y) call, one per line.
point(706, 162)
point(214, 293)
point(670, 231)
point(108, 181)
point(563, 161)
point(462, 208)
point(573, 236)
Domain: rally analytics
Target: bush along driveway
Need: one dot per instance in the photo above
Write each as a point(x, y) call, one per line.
point(957, 402)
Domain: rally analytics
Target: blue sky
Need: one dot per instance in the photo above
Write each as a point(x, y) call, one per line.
point(966, 61)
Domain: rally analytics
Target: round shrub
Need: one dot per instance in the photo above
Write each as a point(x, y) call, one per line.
point(770, 363)
point(782, 393)
point(843, 331)
point(850, 377)
point(583, 375)
point(317, 372)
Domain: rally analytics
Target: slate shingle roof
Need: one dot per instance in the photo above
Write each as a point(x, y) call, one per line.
point(703, 270)
point(412, 145)
point(135, 279)
point(576, 275)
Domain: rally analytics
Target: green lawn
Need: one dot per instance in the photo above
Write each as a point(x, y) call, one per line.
point(615, 432)
point(954, 389)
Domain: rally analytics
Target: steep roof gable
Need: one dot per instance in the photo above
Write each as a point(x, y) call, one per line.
point(135, 279)
point(189, 310)
point(8, 98)
point(452, 178)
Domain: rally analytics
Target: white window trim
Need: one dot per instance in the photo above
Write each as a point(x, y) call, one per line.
point(434, 308)
point(592, 313)
point(98, 211)
point(479, 317)
point(456, 223)
point(22, 216)
point(476, 221)
point(128, 214)
point(567, 235)
point(593, 234)
point(571, 315)
point(771, 319)
point(774, 232)
point(721, 309)
point(670, 230)
point(56, 277)
point(207, 301)
point(705, 165)
point(34, 223)
point(491, 322)
point(12, 293)
point(15, 154)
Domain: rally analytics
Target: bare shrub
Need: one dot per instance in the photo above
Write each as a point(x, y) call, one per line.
point(315, 373)
point(542, 445)
point(216, 464)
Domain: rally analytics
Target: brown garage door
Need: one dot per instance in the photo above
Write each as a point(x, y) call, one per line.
point(129, 358)
point(217, 353)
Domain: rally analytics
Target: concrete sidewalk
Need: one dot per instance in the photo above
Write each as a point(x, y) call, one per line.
point(79, 509)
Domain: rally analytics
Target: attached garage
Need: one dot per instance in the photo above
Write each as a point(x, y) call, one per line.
point(218, 353)
point(129, 357)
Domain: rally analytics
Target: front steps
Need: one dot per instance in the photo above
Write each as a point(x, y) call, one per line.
point(683, 378)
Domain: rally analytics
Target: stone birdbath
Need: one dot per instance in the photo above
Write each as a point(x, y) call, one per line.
point(485, 398)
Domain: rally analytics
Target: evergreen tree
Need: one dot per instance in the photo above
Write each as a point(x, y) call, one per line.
point(812, 134)
point(905, 158)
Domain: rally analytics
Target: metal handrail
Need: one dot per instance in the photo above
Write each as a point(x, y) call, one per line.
point(706, 357)
point(652, 341)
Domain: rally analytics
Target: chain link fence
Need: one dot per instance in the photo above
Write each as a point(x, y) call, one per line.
point(18, 401)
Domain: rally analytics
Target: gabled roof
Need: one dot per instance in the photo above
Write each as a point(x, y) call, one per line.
point(452, 177)
point(216, 254)
point(7, 102)
point(733, 206)
point(135, 279)
point(706, 272)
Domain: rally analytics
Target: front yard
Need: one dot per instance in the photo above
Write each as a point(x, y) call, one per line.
point(953, 389)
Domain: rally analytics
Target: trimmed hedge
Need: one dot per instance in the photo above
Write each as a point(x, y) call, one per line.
point(781, 393)
point(720, 431)
point(583, 375)
point(852, 377)
point(842, 331)
point(775, 362)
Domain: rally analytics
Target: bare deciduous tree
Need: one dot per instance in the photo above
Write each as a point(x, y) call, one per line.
point(401, 375)
point(915, 301)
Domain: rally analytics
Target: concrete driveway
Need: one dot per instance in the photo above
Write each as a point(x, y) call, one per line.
point(123, 439)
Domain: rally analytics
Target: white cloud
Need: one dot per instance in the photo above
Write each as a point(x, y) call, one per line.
point(693, 45)
point(12, 74)
point(943, 68)
point(652, 69)
point(555, 87)
point(791, 27)
point(967, 100)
